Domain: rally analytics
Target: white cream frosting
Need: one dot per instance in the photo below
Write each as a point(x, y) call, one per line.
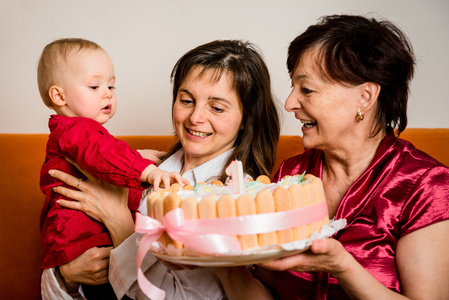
point(252, 188)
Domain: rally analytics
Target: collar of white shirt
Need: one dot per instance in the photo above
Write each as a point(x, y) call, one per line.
point(210, 170)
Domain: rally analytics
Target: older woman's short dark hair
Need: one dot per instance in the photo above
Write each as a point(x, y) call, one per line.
point(354, 50)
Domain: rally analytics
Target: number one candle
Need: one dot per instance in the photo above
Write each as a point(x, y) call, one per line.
point(235, 170)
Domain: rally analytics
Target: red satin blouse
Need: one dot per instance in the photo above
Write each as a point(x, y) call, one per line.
point(401, 191)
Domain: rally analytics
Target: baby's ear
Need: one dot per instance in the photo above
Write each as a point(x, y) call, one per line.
point(56, 94)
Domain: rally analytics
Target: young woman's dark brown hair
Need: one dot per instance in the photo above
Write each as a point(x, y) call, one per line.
point(257, 140)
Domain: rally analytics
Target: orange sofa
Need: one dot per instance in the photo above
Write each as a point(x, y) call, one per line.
point(21, 157)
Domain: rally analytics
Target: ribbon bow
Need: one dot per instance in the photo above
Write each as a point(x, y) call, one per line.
point(175, 226)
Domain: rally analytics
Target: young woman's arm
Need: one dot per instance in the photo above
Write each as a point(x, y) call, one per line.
point(239, 283)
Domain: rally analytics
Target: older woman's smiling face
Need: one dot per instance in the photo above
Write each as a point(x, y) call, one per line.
point(207, 115)
point(326, 109)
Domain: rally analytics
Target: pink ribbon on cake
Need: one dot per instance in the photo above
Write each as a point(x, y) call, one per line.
point(215, 236)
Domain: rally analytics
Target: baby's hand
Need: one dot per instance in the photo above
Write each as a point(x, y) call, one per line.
point(158, 177)
point(153, 155)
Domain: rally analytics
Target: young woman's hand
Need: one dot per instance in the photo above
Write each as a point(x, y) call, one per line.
point(93, 196)
point(91, 267)
point(100, 200)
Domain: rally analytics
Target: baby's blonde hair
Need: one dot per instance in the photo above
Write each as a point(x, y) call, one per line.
point(53, 59)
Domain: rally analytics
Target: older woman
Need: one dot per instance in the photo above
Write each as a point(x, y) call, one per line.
point(350, 79)
point(223, 110)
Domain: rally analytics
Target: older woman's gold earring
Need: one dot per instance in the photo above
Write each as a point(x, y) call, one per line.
point(360, 116)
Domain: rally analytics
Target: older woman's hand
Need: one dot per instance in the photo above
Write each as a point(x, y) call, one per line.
point(100, 200)
point(330, 256)
point(326, 255)
point(153, 155)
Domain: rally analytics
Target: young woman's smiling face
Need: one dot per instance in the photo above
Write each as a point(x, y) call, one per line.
point(207, 115)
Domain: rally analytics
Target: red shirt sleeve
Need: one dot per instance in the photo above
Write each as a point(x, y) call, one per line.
point(97, 151)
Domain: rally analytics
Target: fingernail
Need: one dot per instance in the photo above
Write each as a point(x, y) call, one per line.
point(51, 172)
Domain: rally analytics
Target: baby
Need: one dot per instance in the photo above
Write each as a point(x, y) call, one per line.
point(76, 79)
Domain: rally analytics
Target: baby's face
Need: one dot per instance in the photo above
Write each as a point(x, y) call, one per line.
point(88, 85)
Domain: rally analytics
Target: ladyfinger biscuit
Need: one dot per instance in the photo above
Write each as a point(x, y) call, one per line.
point(247, 206)
point(265, 204)
point(312, 198)
point(175, 187)
point(190, 207)
point(150, 203)
point(283, 202)
point(188, 187)
point(315, 195)
point(226, 207)
point(207, 208)
point(158, 211)
point(299, 199)
point(217, 183)
point(171, 202)
point(320, 194)
point(263, 179)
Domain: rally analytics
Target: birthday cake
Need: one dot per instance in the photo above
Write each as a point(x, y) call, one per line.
point(302, 195)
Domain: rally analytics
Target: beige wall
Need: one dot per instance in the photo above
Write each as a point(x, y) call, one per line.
point(146, 37)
